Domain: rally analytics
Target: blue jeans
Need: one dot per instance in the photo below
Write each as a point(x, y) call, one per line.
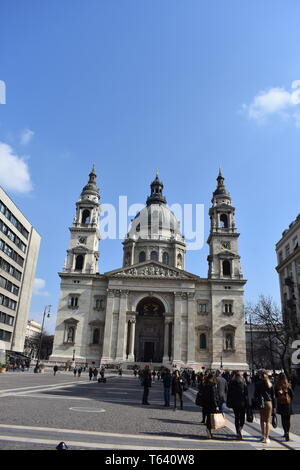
point(221, 406)
point(167, 396)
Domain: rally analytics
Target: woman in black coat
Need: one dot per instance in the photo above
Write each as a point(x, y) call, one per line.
point(177, 388)
point(237, 399)
point(210, 400)
point(284, 395)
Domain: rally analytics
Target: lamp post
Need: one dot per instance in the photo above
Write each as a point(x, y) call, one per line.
point(221, 363)
point(46, 310)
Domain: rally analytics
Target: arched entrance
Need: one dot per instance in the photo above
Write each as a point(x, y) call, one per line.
point(149, 337)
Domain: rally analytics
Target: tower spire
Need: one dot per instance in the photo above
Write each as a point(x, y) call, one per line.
point(156, 196)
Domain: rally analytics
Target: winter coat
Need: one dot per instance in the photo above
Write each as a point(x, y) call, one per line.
point(222, 388)
point(167, 380)
point(177, 385)
point(264, 393)
point(146, 379)
point(284, 408)
point(237, 396)
point(210, 398)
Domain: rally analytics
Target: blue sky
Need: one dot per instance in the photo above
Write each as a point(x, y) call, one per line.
point(135, 85)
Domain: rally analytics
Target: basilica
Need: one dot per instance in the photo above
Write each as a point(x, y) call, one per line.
point(151, 310)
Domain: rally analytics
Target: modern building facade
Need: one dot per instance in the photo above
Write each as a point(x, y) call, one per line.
point(151, 309)
point(19, 248)
point(32, 339)
point(288, 268)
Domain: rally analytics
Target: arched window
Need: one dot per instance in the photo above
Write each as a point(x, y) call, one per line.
point(154, 256)
point(226, 268)
point(203, 341)
point(96, 336)
point(224, 220)
point(71, 334)
point(86, 215)
point(142, 257)
point(166, 258)
point(79, 263)
point(74, 301)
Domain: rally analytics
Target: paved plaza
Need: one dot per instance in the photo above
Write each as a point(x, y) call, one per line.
point(40, 410)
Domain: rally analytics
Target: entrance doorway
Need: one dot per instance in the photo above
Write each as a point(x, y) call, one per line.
point(149, 337)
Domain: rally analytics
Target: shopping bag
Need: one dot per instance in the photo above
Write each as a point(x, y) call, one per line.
point(217, 421)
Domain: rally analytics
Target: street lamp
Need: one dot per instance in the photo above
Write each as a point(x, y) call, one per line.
point(46, 311)
point(221, 363)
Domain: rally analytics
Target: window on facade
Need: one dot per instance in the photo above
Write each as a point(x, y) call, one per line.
point(142, 257)
point(5, 335)
point(203, 341)
point(226, 268)
point(154, 256)
point(287, 250)
point(202, 308)
point(79, 262)
point(166, 258)
point(228, 308)
point(74, 301)
point(100, 304)
point(229, 341)
point(70, 334)
point(86, 217)
point(96, 336)
point(224, 220)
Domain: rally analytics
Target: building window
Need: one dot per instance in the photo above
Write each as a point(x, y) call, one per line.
point(224, 220)
point(86, 215)
point(99, 305)
point(166, 258)
point(5, 335)
point(154, 256)
point(79, 263)
point(71, 334)
point(228, 308)
point(142, 257)
point(73, 303)
point(229, 342)
point(202, 308)
point(226, 268)
point(96, 336)
point(203, 341)
point(287, 250)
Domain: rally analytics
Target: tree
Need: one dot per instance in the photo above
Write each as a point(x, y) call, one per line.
point(278, 333)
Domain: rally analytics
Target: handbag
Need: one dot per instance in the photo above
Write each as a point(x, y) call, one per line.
point(258, 403)
point(274, 420)
point(217, 420)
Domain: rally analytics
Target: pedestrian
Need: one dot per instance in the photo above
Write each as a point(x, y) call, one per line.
point(222, 385)
point(210, 400)
point(55, 369)
point(153, 375)
point(79, 371)
point(177, 389)
point(102, 372)
point(75, 371)
point(237, 399)
point(90, 373)
point(193, 377)
point(95, 373)
point(135, 372)
point(264, 397)
point(158, 375)
point(284, 395)
point(146, 383)
point(167, 381)
point(120, 371)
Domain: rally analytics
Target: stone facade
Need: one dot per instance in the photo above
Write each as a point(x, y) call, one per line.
point(151, 309)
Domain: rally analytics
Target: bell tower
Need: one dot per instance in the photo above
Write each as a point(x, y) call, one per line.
point(223, 259)
point(83, 254)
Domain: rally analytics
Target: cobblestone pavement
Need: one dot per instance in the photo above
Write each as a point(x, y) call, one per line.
point(40, 410)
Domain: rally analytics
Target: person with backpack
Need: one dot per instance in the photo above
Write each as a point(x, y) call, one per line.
point(284, 395)
point(237, 399)
point(264, 400)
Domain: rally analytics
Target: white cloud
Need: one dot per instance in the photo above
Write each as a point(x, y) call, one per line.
point(26, 136)
point(14, 172)
point(276, 101)
point(38, 287)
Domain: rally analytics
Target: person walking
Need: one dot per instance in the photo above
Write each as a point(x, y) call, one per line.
point(210, 400)
point(222, 385)
point(264, 397)
point(102, 372)
point(146, 383)
point(90, 373)
point(177, 389)
point(284, 395)
point(75, 371)
point(79, 371)
point(193, 377)
point(167, 381)
point(153, 375)
point(55, 369)
point(237, 399)
point(95, 373)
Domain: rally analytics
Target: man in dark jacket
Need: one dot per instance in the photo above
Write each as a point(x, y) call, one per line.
point(146, 383)
point(237, 399)
point(167, 380)
point(222, 386)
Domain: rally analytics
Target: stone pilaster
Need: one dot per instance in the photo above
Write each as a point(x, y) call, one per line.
point(132, 339)
point(191, 327)
point(106, 356)
point(121, 326)
point(177, 327)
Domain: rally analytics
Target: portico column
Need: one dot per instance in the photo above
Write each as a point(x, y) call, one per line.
point(166, 341)
point(121, 326)
point(177, 327)
point(106, 356)
point(132, 338)
point(191, 327)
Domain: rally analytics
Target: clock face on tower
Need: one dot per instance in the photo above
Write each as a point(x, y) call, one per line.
point(82, 240)
point(225, 244)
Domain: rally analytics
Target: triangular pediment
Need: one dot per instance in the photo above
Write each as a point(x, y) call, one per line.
point(152, 269)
